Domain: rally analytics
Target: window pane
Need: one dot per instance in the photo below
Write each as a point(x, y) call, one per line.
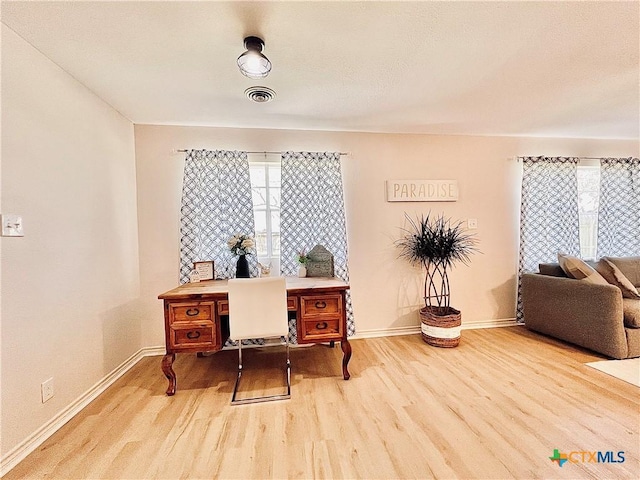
point(259, 197)
point(275, 239)
point(589, 178)
point(274, 197)
point(275, 220)
point(260, 218)
point(588, 236)
point(258, 176)
point(274, 176)
point(588, 201)
point(267, 225)
point(275, 231)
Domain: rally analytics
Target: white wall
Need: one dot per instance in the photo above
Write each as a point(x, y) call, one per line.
point(385, 290)
point(70, 284)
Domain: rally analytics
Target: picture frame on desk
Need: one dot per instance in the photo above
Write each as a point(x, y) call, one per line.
point(205, 270)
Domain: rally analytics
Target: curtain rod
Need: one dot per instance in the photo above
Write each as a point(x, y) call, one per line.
point(568, 156)
point(262, 153)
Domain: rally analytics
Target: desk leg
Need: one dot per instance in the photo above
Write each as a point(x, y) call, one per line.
point(167, 361)
point(346, 350)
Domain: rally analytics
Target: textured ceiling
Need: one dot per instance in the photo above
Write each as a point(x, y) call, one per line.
point(561, 69)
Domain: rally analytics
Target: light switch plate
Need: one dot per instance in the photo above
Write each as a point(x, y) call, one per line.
point(11, 225)
point(472, 223)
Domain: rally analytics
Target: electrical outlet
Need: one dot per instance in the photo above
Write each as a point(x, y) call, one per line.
point(47, 389)
point(472, 223)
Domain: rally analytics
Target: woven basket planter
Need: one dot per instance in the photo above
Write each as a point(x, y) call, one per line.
point(440, 326)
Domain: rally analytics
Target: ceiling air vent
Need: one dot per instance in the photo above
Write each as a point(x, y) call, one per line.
point(260, 94)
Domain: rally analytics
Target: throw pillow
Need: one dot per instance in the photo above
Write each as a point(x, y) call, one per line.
point(614, 276)
point(630, 268)
point(551, 269)
point(576, 268)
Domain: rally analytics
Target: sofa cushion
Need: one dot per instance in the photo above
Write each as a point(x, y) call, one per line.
point(629, 266)
point(631, 312)
point(614, 276)
point(578, 269)
point(633, 342)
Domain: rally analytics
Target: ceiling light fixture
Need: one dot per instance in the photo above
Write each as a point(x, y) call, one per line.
point(253, 63)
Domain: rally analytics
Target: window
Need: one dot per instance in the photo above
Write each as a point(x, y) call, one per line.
point(588, 202)
point(265, 192)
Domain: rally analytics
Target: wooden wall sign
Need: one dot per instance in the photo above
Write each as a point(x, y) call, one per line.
point(422, 190)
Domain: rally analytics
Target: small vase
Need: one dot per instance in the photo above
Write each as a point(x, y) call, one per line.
point(302, 271)
point(242, 267)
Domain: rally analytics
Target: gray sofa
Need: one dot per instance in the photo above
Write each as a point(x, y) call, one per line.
point(594, 316)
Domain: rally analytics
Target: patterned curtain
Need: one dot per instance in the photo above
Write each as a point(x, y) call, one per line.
point(312, 213)
point(619, 212)
point(216, 203)
point(548, 214)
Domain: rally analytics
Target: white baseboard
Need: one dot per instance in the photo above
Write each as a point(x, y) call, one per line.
point(499, 322)
point(18, 453)
point(415, 329)
point(386, 332)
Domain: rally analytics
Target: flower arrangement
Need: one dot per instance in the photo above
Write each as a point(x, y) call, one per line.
point(241, 244)
point(302, 257)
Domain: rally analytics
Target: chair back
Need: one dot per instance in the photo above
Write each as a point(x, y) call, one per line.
point(257, 308)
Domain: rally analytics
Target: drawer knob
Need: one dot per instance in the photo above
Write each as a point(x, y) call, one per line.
point(321, 304)
point(193, 335)
point(192, 312)
point(321, 325)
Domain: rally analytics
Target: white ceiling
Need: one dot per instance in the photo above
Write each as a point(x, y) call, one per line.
point(560, 69)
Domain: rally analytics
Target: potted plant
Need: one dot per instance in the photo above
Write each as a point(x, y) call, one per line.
point(302, 259)
point(436, 244)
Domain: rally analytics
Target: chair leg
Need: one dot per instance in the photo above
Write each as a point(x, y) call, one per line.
point(268, 398)
point(288, 368)
point(235, 388)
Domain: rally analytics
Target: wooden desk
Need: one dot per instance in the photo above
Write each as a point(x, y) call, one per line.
point(196, 317)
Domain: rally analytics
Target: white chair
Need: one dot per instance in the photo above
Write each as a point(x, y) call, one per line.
point(258, 309)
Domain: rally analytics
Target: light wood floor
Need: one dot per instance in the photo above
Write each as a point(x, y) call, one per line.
point(495, 407)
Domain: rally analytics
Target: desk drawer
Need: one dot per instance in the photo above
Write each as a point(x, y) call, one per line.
point(201, 334)
point(223, 305)
point(190, 311)
point(317, 306)
point(292, 303)
point(321, 328)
